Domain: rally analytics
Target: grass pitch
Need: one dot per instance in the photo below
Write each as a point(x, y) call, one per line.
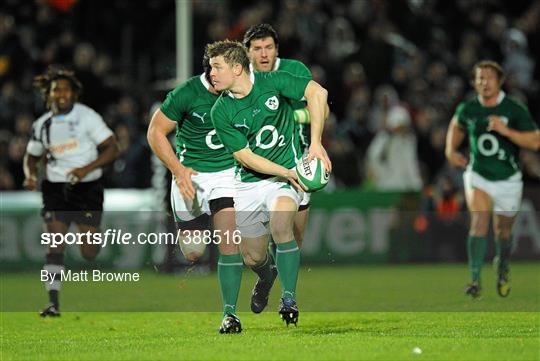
point(385, 313)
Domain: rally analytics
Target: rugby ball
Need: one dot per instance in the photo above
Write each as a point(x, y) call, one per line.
point(312, 175)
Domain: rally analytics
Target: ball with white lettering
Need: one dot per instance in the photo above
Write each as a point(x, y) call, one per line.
point(313, 176)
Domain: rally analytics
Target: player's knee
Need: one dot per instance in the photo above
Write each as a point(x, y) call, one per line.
point(253, 259)
point(503, 234)
point(479, 225)
point(281, 230)
point(89, 256)
point(192, 256)
point(191, 249)
point(89, 253)
point(248, 261)
point(226, 248)
point(475, 232)
point(281, 234)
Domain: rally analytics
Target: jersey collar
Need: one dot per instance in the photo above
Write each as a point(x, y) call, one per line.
point(251, 79)
point(276, 64)
point(205, 82)
point(499, 98)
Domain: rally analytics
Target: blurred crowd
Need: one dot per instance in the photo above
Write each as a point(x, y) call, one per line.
point(395, 71)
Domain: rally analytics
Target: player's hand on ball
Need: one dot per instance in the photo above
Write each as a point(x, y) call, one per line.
point(316, 150)
point(184, 183)
point(457, 160)
point(292, 177)
point(497, 125)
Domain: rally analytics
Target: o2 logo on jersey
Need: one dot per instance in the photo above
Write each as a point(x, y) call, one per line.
point(272, 103)
point(273, 141)
point(209, 143)
point(488, 146)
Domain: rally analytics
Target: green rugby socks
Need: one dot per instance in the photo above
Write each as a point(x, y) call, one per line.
point(476, 251)
point(503, 248)
point(230, 278)
point(288, 264)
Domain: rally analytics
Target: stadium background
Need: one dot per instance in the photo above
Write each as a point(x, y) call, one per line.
point(382, 62)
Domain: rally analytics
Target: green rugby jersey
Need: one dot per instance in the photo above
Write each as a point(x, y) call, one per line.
point(297, 68)
point(262, 120)
point(493, 156)
point(197, 145)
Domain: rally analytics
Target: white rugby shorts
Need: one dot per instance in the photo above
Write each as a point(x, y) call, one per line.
point(208, 186)
point(505, 194)
point(254, 201)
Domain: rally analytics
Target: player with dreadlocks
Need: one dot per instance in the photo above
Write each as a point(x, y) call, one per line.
point(75, 143)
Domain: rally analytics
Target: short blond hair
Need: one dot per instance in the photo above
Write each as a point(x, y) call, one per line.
point(488, 64)
point(233, 52)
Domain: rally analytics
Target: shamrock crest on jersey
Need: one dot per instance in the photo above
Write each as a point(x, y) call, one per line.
point(262, 120)
point(272, 103)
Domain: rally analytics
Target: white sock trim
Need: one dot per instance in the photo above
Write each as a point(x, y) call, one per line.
point(287, 250)
point(230, 264)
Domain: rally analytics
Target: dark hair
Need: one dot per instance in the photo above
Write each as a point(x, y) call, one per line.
point(233, 52)
point(43, 82)
point(206, 67)
point(260, 31)
point(488, 64)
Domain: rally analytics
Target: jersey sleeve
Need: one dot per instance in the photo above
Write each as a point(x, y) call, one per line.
point(231, 137)
point(289, 85)
point(460, 115)
point(523, 119)
point(35, 145)
point(97, 129)
point(174, 106)
point(304, 71)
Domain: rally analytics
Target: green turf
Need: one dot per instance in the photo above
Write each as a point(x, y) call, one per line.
point(436, 317)
point(366, 288)
point(320, 336)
